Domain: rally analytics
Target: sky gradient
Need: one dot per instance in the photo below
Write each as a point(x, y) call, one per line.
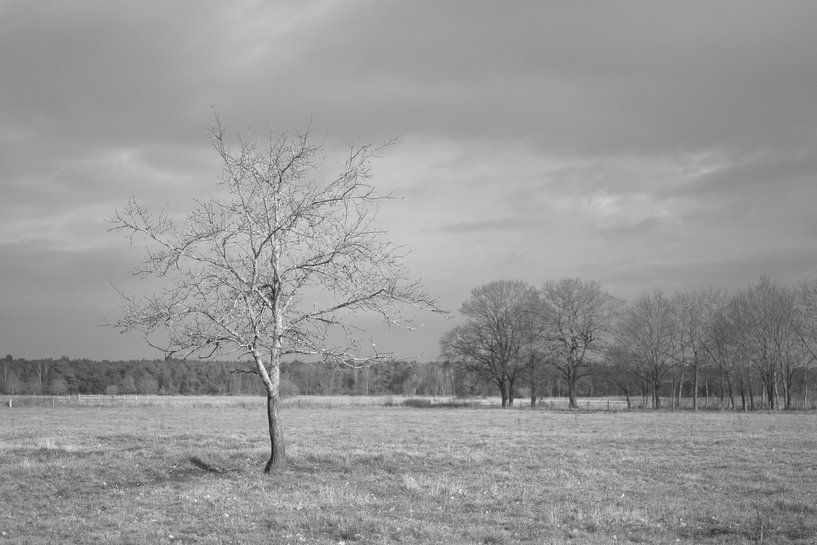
point(638, 144)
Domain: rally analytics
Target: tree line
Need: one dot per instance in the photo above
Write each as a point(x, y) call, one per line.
point(753, 348)
point(64, 376)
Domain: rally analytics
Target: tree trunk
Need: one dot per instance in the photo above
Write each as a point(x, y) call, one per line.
point(680, 389)
point(277, 460)
point(503, 390)
point(673, 393)
point(787, 393)
point(571, 391)
point(721, 393)
point(533, 393)
point(695, 387)
point(751, 395)
point(645, 391)
point(656, 390)
point(272, 382)
point(771, 391)
point(510, 392)
point(533, 379)
point(706, 393)
point(788, 385)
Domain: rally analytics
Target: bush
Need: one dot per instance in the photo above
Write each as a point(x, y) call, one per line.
point(417, 402)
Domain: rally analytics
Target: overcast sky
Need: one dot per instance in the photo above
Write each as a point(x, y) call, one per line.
point(638, 144)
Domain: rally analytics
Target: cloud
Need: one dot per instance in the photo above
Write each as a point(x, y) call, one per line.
point(626, 77)
point(505, 224)
point(635, 141)
point(768, 170)
point(729, 273)
point(632, 76)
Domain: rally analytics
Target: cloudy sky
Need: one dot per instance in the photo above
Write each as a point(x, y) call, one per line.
point(650, 144)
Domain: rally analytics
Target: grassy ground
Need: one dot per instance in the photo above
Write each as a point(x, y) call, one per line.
point(146, 475)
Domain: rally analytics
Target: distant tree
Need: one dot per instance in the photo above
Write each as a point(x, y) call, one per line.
point(444, 379)
point(165, 380)
point(313, 378)
point(13, 384)
point(279, 265)
point(501, 317)
point(127, 385)
point(695, 314)
point(807, 306)
point(766, 316)
point(6, 362)
point(147, 385)
point(436, 379)
point(579, 320)
point(620, 369)
point(33, 386)
point(58, 386)
point(724, 348)
point(648, 332)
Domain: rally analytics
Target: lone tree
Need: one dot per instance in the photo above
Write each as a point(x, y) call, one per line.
point(278, 264)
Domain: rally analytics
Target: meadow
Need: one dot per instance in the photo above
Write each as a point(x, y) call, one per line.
point(364, 474)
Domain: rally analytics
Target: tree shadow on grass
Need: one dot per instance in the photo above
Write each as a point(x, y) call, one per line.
point(207, 466)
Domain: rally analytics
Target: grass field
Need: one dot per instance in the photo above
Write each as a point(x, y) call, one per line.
point(189, 474)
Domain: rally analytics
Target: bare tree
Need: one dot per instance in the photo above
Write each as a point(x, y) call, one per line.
point(538, 371)
point(579, 319)
point(6, 361)
point(767, 319)
point(501, 318)
point(695, 314)
point(621, 369)
point(807, 305)
point(724, 348)
point(280, 264)
point(648, 332)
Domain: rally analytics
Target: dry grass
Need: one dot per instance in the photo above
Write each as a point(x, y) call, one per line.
point(399, 475)
point(325, 402)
